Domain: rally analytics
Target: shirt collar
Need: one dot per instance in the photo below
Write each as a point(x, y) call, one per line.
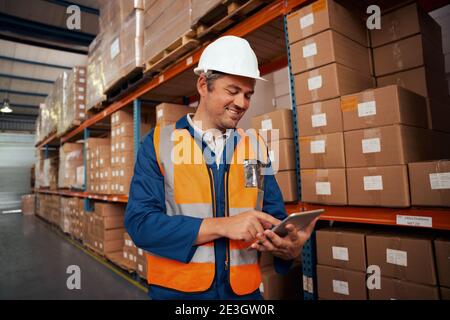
point(206, 135)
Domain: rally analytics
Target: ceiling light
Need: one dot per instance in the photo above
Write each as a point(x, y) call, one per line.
point(5, 108)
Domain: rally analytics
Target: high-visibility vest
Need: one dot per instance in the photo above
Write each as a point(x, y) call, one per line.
point(189, 191)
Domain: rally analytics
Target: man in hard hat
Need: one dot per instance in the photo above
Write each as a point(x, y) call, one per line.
point(201, 203)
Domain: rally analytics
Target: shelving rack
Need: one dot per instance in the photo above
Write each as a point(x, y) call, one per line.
point(264, 30)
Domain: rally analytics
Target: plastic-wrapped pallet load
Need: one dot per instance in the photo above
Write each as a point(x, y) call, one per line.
point(71, 166)
point(95, 73)
point(171, 19)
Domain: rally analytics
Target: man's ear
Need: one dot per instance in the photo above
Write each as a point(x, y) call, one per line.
point(202, 86)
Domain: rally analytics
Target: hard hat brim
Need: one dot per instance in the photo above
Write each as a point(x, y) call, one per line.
point(198, 71)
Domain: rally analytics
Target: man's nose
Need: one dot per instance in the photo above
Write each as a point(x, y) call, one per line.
point(239, 101)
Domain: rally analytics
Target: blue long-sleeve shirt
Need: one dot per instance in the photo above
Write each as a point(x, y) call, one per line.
point(174, 237)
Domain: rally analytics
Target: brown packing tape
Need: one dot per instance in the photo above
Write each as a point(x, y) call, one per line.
point(377, 195)
point(322, 176)
point(397, 55)
point(319, 158)
point(371, 133)
point(368, 96)
point(310, 61)
point(314, 93)
point(395, 243)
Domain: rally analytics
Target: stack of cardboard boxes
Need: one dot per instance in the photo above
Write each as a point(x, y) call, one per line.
point(77, 218)
point(98, 154)
point(330, 58)
point(276, 129)
point(407, 50)
point(65, 214)
point(141, 263)
point(409, 267)
point(122, 146)
point(275, 286)
point(71, 166)
point(105, 228)
point(48, 208)
point(170, 113)
point(130, 252)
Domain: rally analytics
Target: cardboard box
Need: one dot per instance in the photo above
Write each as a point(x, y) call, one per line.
point(442, 250)
point(28, 204)
point(342, 248)
point(282, 287)
point(282, 154)
point(322, 15)
point(385, 186)
point(171, 112)
point(109, 209)
point(445, 293)
point(328, 82)
point(393, 289)
point(324, 186)
point(340, 284)
point(108, 234)
point(405, 22)
point(322, 151)
point(388, 145)
point(327, 47)
point(430, 183)
point(287, 181)
point(104, 247)
point(110, 222)
point(383, 106)
point(402, 256)
point(406, 54)
point(125, 144)
point(280, 120)
point(319, 118)
point(422, 80)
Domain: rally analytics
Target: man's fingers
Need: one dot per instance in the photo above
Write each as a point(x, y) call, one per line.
point(258, 227)
point(274, 238)
point(268, 218)
point(265, 242)
point(292, 232)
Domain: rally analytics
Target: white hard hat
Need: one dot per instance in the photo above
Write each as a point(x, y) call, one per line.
point(231, 55)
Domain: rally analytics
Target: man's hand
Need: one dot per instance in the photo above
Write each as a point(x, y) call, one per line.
point(246, 225)
point(288, 247)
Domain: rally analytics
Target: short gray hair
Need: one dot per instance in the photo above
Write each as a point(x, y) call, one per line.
point(211, 76)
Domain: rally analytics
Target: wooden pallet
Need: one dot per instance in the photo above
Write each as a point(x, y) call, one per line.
point(117, 259)
point(179, 48)
point(225, 15)
point(73, 125)
point(123, 85)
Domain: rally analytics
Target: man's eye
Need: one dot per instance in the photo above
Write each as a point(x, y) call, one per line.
point(248, 96)
point(232, 92)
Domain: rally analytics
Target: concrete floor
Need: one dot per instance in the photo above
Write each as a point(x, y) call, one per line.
point(34, 260)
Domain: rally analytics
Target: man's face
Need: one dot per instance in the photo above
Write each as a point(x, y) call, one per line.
point(228, 100)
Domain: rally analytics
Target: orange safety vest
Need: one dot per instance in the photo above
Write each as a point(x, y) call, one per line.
point(189, 191)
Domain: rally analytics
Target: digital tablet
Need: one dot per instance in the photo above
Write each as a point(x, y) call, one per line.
point(299, 219)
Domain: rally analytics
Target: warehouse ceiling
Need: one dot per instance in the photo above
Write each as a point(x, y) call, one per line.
point(35, 48)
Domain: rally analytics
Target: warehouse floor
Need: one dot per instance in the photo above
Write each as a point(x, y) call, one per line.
point(34, 260)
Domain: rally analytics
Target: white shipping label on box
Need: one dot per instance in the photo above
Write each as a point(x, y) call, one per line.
point(319, 120)
point(323, 188)
point(115, 48)
point(306, 21)
point(373, 183)
point(397, 257)
point(314, 83)
point(82, 80)
point(371, 145)
point(340, 253)
point(140, 252)
point(440, 180)
point(141, 269)
point(415, 221)
point(317, 146)
point(125, 255)
point(82, 106)
point(366, 109)
point(309, 50)
point(160, 113)
point(266, 124)
point(340, 287)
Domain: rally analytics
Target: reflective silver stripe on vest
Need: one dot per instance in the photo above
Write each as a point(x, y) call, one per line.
point(259, 148)
point(203, 254)
point(200, 210)
point(243, 257)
